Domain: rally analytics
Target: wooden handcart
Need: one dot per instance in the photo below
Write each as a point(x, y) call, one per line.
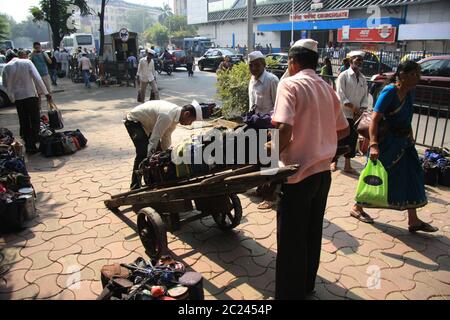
point(159, 207)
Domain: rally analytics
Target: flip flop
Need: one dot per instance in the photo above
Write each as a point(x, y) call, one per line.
point(265, 205)
point(361, 216)
point(425, 227)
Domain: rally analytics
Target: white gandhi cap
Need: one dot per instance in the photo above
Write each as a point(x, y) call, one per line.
point(307, 44)
point(198, 110)
point(255, 55)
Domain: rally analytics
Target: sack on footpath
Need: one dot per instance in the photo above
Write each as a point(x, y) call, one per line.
point(431, 172)
point(109, 272)
point(52, 146)
point(444, 177)
point(82, 141)
point(55, 116)
point(12, 216)
point(372, 188)
point(69, 145)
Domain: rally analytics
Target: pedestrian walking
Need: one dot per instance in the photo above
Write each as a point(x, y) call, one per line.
point(396, 148)
point(85, 66)
point(147, 75)
point(53, 69)
point(40, 60)
point(352, 89)
point(310, 122)
point(21, 78)
point(190, 61)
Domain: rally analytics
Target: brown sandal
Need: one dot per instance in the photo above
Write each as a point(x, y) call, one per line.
point(265, 205)
point(361, 216)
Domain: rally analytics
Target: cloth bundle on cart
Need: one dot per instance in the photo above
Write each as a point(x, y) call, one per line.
point(164, 279)
point(162, 167)
point(16, 190)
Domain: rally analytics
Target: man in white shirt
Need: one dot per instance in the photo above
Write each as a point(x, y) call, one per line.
point(147, 74)
point(262, 89)
point(20, 78)
point(351, 87)
point(150, 126)
point(65, 61)
point(85, 66)
point(262, 92)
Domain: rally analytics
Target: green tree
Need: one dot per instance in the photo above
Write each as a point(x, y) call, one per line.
point(5, 28)
point(232, 90)
point(158, 34)
point(57, 13)
point(101, 15)
point(166, 12)
point(30, 30)
point(178, 27)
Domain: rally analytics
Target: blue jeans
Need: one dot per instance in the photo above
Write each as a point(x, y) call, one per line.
point(86, 76)
point(53, 76)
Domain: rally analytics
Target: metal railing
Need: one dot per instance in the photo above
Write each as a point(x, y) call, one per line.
point(376, 62)
point(430, 122)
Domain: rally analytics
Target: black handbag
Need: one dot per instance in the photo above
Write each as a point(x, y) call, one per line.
point(55, 117)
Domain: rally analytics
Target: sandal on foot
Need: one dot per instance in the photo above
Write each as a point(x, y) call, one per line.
point(361, 216)
point(265, 205)
point(425, 227)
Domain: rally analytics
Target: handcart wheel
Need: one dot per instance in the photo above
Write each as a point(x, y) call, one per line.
point(152, 232)
point(230, 219)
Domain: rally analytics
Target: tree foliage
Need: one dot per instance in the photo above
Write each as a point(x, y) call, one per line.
point(57, 14)
point(158, 34)
point(178, 27)
point(232, 87)
point(5, 28)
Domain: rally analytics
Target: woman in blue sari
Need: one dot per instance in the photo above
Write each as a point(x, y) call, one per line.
point(396, 148)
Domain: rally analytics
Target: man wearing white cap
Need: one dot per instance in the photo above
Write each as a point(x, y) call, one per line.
point(262, 92)
point(262, 89)
point(310, 122)
point(352, 89)
point(147, 74)
point(150, 126)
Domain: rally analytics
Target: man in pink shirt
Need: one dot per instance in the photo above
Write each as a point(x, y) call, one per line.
point(310, 122)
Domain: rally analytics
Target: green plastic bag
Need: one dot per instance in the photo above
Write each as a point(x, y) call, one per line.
point(372, 189)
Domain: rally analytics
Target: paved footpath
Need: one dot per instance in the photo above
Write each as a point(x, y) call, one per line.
point(60, 254)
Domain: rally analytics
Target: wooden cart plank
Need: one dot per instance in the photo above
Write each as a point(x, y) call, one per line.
point(235, 184)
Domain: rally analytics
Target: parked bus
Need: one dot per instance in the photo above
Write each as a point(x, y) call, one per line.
point(6, 44)
point(198, 45)
point(76, 40)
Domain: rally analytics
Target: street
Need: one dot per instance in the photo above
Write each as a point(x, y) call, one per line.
point(60, 253)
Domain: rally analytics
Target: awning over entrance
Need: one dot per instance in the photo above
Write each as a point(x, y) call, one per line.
point(326, 24)
point(424, 31)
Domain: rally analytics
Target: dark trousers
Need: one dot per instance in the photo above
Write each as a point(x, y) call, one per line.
point(140, 141)
point(299, 235)
point(350, 140)
point(86, 76)
point(53, 76)
point(29, 120)
point(189, 69)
